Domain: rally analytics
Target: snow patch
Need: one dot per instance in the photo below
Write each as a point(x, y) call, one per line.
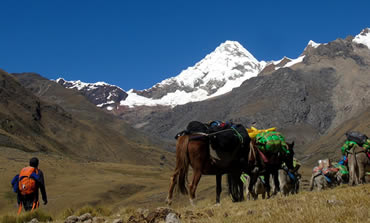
point(106, 103)
point(363, 37)
point(171, 99)
point(79, 85)
point(295, 61)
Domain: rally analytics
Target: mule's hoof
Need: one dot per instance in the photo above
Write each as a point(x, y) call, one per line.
point(192, 203)
point(218, 204)
point(168, 202)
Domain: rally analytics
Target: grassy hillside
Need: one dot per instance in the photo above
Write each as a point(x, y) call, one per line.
point(48, 118)
point(127, 191)
point(73, 184)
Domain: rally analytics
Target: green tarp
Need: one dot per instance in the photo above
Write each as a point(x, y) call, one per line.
point(271, 142)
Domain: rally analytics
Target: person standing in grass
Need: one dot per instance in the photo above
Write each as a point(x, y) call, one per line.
point(27, 185)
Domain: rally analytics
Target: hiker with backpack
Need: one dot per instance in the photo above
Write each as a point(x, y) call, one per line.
point(27, 185)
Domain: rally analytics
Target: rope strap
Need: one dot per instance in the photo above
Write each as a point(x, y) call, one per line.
point(238, 135)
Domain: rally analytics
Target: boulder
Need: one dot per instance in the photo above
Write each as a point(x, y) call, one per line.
point(85, 217)
point(34, 220)
point(71, 219)
point(172, 218)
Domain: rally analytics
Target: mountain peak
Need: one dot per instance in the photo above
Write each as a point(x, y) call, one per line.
point(219, 72)
point(234, 48)
point(363, 37)
point(313, 44)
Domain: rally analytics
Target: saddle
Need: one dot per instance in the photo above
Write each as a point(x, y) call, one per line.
point(227, 141)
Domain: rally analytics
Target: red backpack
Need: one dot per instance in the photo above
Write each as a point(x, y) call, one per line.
point(27, 185)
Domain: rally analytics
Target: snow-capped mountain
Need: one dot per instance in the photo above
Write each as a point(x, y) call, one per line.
point(101, 94)
point(227, 67)
point(218, 73)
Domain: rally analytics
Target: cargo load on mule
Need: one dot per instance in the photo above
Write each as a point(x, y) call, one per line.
point(342, 168)
point(271, 142)
point(326, 168)
point(357, 137)
point(253, 132)
point(219, 134)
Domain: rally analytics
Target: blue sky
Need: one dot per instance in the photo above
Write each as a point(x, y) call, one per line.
point(136, 44)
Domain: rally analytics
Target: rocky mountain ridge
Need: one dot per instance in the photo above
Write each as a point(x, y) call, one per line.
point(101, 94)
point(218, 73)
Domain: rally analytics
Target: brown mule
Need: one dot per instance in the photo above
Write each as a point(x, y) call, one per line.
point(194, 149)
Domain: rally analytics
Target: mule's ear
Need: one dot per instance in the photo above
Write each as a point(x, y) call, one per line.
point(291, 145)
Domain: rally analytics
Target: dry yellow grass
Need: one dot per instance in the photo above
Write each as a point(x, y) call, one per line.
point(124, 188)
point(342, 204)
point(72, 184)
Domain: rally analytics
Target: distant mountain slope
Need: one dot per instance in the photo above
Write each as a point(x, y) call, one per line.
point(48, 118)
point(328, 146)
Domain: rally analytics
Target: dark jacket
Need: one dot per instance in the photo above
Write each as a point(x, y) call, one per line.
point(41, 186)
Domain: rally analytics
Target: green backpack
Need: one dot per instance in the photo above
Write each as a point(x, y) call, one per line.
point(273, 142)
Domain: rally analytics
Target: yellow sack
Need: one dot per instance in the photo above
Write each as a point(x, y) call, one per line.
point(253, 132)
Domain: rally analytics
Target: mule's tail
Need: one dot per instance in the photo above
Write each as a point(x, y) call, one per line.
point(182, 163)
point(235, 186)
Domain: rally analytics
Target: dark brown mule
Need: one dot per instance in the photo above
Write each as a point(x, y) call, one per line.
point(269, 164)
point(194, 149)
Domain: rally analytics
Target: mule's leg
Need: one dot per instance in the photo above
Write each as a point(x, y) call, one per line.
point(275, 176)
point(193, 186)
point(218, 187)
point(361, 171)
point(353, 169)
point(173, 182)
point(312, 182)
point(252, 182)
point(267, 184)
